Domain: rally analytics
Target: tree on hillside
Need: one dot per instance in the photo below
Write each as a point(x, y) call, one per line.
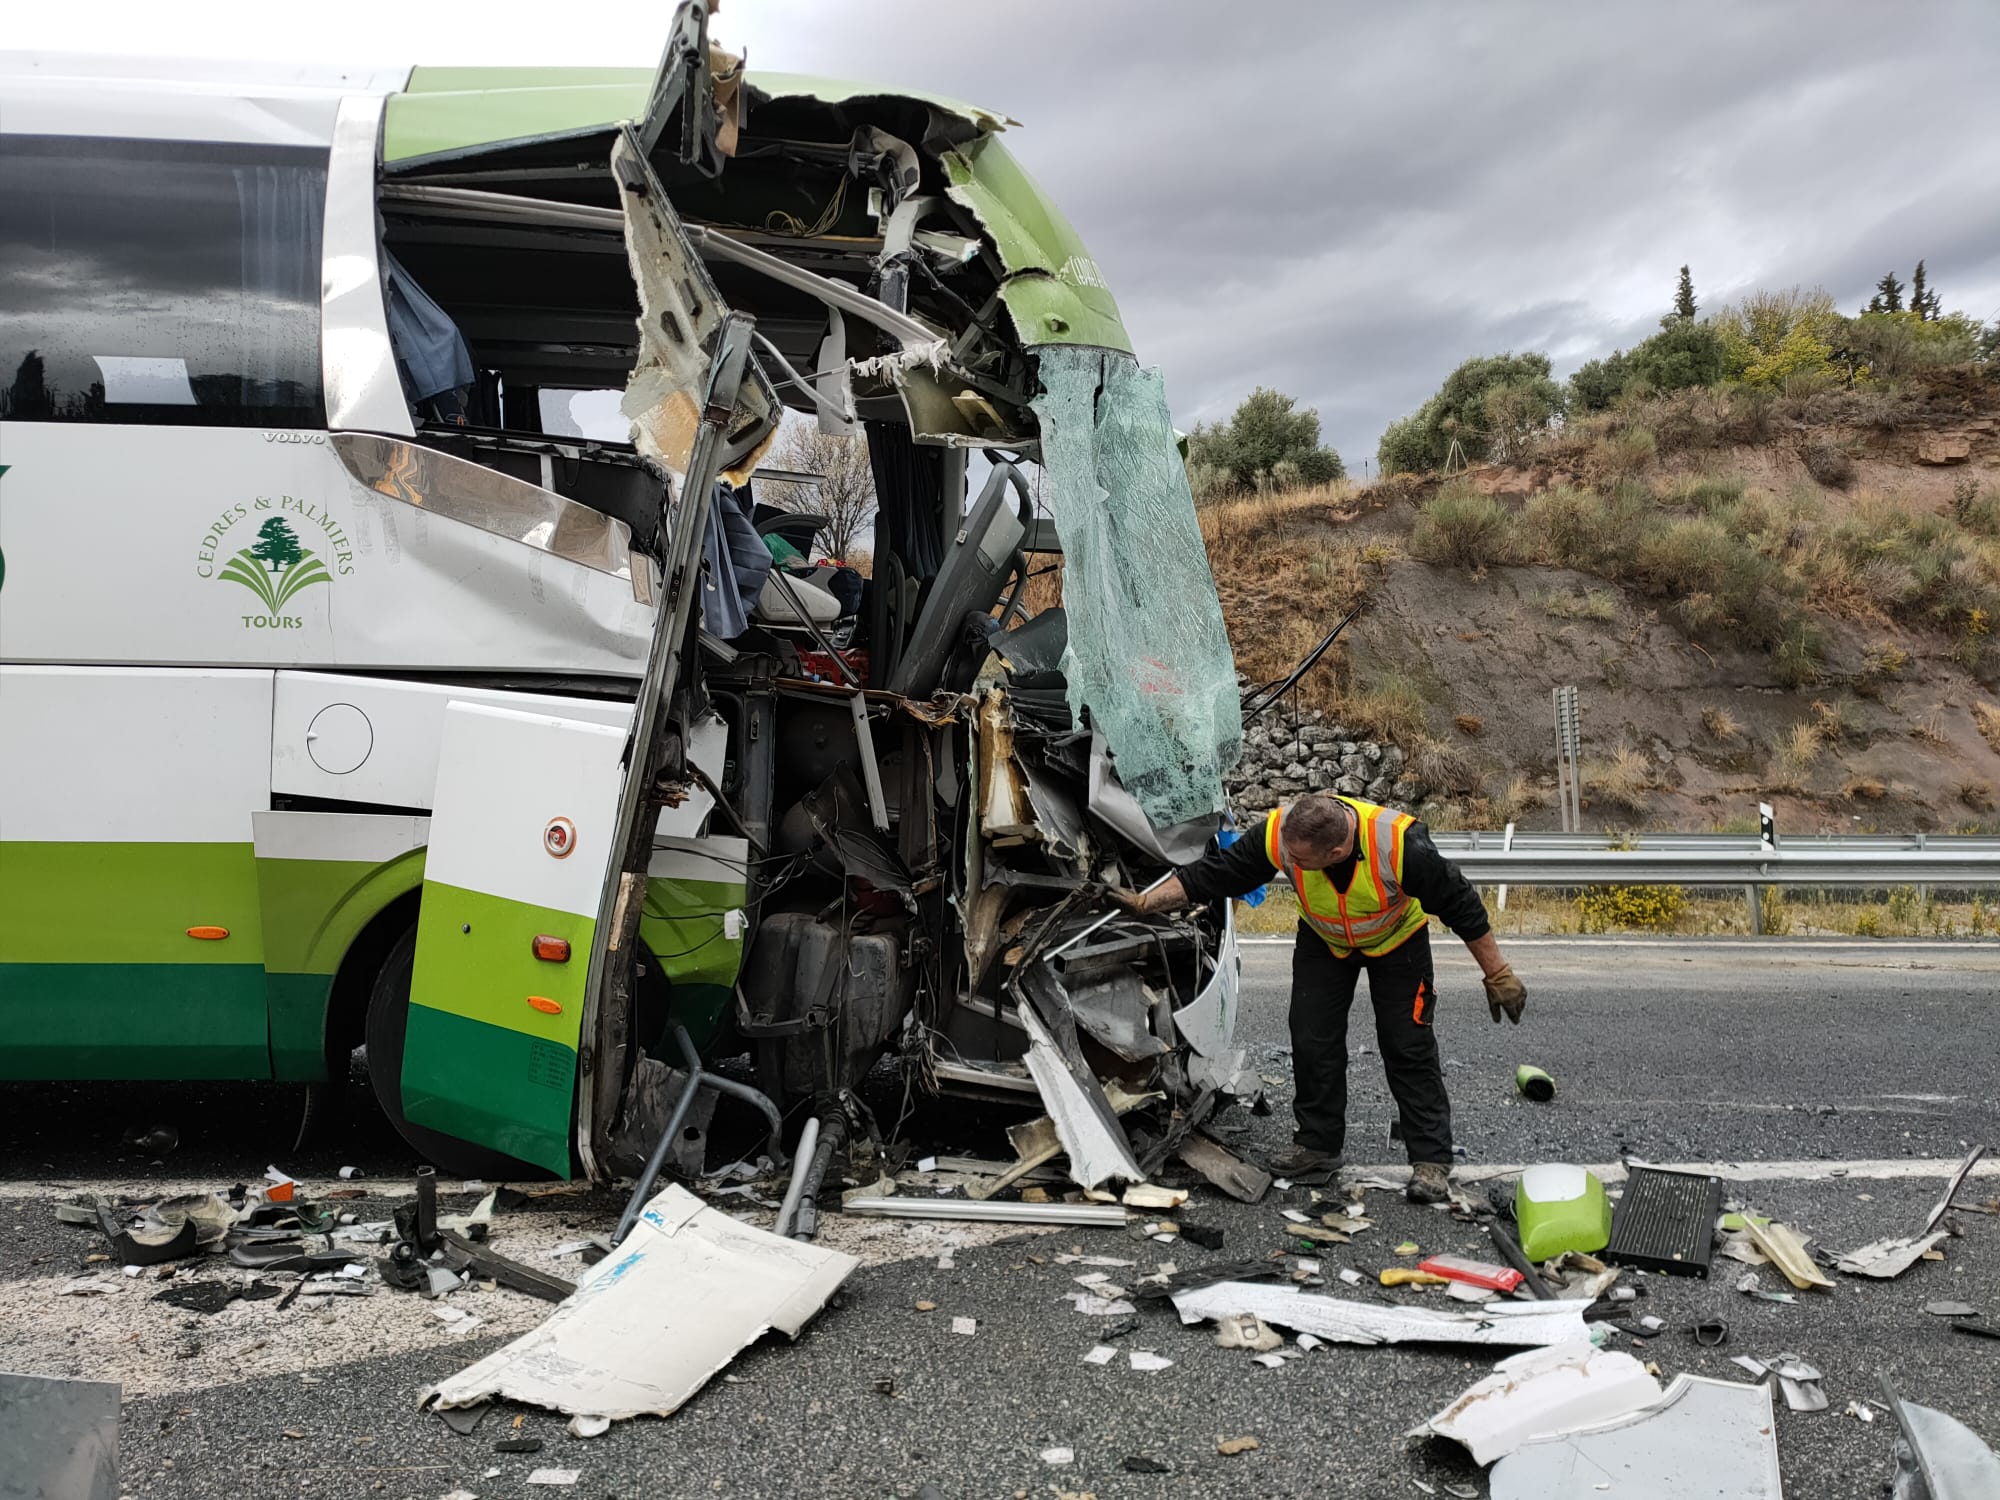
point(843, 492)
point(1466, 411)
point(1684, 308)
point(1267, 430)
point(1888, 295)
point(1923, 301)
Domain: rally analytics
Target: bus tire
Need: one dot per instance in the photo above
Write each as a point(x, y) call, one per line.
point(388, 1017)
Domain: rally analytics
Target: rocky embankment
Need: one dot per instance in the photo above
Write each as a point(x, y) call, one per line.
point(1286, 753)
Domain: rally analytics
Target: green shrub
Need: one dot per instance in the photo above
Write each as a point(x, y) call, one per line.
point(1608, 908)
point(1466, 411)
point(1626, 453)
point(1463, 530)
point(1572, 528)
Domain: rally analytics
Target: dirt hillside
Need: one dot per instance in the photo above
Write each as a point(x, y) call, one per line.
point(1791, 601)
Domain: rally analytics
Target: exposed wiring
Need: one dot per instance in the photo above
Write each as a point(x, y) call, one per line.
point(778, 221)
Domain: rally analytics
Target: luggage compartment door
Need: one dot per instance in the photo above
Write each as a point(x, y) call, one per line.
point(521, 836)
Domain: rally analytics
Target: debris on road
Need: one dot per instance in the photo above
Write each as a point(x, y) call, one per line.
point(1534, 1084)
point(1787, 1252)
point(1665, 1222)
point(1561, 1207)
point(58, 1437)
point(1539, 1393)
point(1937, 1456)
point(1889, 1258)
point(1701, 1437)
point(1518, 1324)
point(709, 1286)
point(1246, 1331)
point(1472, 1272)
point(1230, 1447)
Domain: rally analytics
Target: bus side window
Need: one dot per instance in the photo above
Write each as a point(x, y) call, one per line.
point(160, 282)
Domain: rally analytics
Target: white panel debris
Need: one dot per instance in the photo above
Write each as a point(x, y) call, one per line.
point(1512, 1324)
point(1539, 1393)
point(1712, 1438)
point(649, 1324)
point(1889, 1258)
point(1096, 1146)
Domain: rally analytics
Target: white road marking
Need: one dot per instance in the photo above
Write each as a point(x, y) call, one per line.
point(1715, 947)
point(1905, 1169)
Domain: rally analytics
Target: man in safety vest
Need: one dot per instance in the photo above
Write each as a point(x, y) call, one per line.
point(1368, 880)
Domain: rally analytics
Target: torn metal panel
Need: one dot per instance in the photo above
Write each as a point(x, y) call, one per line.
point(1053, 288)
point(1037, 1141)
point(1208, 1022)
point(1117, 1010)
point(1117, 809)
point(1951, 1188)
point(1225, 1169)
point(1939, 1457)
point(1057, 817)
point(1890, 1258)
point(58, 1437)
point(1540, 1393)
point(680, 316)
point(1712, 1438)
point(1004, 809)
point(1091, 1136)
point(650, 1323)
point(1507, 1324)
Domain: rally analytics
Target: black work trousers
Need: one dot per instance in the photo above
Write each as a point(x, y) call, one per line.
point(1403, 992)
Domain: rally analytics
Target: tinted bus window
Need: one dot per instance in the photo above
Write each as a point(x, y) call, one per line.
point(160, 282)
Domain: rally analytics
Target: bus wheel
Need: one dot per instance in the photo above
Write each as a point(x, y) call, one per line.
point(388, 1015)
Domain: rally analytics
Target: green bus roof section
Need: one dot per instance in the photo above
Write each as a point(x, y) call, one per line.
point(1053, 290)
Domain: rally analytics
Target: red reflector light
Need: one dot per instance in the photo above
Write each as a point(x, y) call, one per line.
point(545, 1005)
point(554, 949)
point(209, 934)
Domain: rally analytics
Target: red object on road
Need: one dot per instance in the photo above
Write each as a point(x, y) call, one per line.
point(1473, 1272)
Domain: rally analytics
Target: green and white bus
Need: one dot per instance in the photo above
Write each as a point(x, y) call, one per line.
point(312, 546)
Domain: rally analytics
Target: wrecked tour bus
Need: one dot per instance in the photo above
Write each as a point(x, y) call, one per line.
point(324, 621)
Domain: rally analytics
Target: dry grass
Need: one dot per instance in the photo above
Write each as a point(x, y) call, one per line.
point(1624, 778)
point(1514, 801)
point(1470, 724)
point(1930, 728)
point(1269, 552)
point(1598, 605)
point(1987, 717)
point(1976, 795)
point(1864, 789)
point(1798, 753)
point(1720, 723)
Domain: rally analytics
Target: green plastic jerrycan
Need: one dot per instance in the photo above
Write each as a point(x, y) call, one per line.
point(1561, 1208)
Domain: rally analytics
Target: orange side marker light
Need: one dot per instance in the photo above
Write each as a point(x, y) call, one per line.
point(553, 950)
point(545, 1005)
point(209, 934)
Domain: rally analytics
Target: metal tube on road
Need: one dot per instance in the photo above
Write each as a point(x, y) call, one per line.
point(1091, 1215)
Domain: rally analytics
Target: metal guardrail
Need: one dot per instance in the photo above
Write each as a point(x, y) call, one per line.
point(1827, 867)
point(1453, 842)
point(1701, 859)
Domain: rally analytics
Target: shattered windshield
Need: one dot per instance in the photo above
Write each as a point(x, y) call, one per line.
point(1147, 654)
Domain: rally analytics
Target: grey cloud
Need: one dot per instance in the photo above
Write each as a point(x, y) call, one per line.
point(1346, 201)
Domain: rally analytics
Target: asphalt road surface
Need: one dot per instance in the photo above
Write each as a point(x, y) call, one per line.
point(1841, 1081)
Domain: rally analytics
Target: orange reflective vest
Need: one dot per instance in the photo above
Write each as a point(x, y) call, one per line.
point(1374, 914)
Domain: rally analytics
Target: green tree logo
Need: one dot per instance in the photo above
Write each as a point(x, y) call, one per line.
point(276, 567)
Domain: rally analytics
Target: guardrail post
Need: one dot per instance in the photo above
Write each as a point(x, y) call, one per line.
point(1756, 898)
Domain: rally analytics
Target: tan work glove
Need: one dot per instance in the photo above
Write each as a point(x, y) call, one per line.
point(1132, 901)
point(1506, 993)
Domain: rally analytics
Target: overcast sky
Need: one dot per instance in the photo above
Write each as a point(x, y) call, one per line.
point(1345, 200)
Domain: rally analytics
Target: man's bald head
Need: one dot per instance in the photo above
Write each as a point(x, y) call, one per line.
point(1316, 831)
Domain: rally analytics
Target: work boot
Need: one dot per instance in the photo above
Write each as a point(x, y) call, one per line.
point(1430, 1182)
point(1304, 1164)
